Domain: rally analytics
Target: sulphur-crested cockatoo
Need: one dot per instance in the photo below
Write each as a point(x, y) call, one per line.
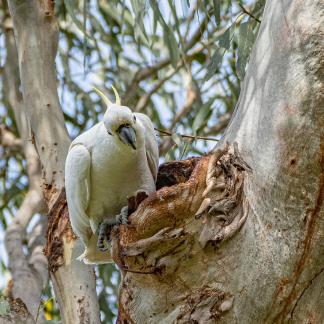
point(105, 165)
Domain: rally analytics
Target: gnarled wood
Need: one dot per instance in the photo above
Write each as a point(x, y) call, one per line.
point(178, 268)
point(170, 238)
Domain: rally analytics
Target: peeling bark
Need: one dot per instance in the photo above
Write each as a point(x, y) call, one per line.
point(241, 241)
point(167, 236)
point(18, 313)
point(58, 230)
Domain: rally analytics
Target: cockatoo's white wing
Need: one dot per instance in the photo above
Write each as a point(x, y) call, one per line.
point(151, 145)
point(77, 186)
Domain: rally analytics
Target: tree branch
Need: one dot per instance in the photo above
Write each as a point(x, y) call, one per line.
point(9, 141)
point(249, 14)
point(36, 39)
point(36, 31)
point(145, 99)
point(193, 96)
point(167, 133)
point(221, 124)
point(144, 73)
point(28, 279)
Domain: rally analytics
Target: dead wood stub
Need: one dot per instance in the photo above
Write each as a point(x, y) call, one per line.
point(159, 253)
point(165, 237)
point(163, 207)
point(224, 206)
point(58, 226)
point(221, 200)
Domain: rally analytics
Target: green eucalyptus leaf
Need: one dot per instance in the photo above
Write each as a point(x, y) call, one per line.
point(202, 116)
point(185, 149)
point(224, 40)
point(72, 8)
point(111, 11)
point(139, 9)
point(215, 62)
point(172, 45)
point(177, 139)
point(245, 42)
point(168, 36)
point(217, 9)
point(258, 7)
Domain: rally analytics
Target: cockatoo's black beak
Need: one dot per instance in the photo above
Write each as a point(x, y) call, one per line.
point(127, 135)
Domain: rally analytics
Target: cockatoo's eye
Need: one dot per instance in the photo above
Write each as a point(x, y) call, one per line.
point(134, 119)
point(109, 133)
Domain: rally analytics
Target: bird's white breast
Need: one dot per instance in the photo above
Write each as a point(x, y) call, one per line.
point(117, 172)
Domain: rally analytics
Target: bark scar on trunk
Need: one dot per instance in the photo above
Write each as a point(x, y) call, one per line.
point(154, 233)
point(210, 188)
point(205, 305)
point(17, 313)
point(224, 208)
point(201, 200)
point(58, 226)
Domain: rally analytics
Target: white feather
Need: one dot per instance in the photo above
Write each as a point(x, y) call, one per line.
point(101, 172)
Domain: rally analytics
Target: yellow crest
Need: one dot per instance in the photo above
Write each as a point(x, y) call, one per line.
point(105, 98)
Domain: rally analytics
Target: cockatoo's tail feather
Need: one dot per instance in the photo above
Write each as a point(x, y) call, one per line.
point(92, 255)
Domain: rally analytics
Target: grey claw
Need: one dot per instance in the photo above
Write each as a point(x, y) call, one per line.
point(122, 218)
point(103, 236)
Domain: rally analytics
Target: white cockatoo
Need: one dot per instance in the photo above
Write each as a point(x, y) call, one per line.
point(105, 165)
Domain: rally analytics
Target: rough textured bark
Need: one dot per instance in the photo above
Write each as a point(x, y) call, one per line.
point(241, 241)
point(18, 314)
point(36, 36)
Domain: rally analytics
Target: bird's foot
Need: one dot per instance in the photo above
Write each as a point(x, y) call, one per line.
point(104, 230)
point(122, 218)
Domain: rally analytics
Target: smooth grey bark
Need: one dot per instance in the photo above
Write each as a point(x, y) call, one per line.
point(29, 270)
point(36, 36)
point(279, 124)
point(253, 255)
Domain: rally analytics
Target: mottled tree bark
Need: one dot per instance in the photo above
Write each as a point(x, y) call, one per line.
point(36, 36)
point(241, 241)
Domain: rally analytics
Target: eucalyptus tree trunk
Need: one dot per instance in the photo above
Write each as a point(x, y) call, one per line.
point(36, 35)
point(239, 238)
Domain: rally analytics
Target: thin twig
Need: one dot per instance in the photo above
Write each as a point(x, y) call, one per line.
point(166, 133)
point(144, 100)
point(249, 14)
point(144, 73)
